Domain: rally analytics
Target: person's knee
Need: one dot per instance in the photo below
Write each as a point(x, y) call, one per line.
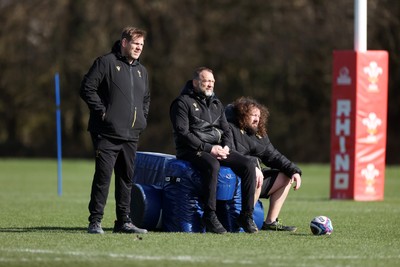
point(249, 166)
point(283, 179)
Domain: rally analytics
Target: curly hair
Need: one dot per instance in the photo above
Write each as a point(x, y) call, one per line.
point(242, 108)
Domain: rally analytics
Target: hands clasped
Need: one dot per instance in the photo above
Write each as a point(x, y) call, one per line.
point(220, 152)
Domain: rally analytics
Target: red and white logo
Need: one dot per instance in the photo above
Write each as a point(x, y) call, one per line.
point(373, 71)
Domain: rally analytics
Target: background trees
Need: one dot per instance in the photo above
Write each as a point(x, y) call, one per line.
point(279, 52)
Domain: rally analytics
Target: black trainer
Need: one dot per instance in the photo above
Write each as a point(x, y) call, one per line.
point(277, 226)
point(127, 228)
point(212, 224)
point(95, 228)
point(247, 223)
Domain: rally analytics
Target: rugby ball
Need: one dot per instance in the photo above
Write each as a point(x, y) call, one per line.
point(321, 225)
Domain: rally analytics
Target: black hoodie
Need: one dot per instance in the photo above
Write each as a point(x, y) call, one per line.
point(198, 121)
point(120, 91)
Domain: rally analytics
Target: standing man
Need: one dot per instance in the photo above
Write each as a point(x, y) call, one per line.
point(117, 93)
point(248, 120)
point(202, 137)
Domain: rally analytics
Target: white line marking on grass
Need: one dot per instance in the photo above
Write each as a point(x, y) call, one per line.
point(351, 257)
point(118, 256)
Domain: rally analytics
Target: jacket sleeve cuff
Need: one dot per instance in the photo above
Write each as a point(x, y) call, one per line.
point(296, 170)
point(207, 147)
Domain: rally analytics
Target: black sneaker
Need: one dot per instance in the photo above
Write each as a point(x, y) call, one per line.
point(212, 224)
point(95, 228)
point(127, 228)
point(277, 226)
point(247, 223)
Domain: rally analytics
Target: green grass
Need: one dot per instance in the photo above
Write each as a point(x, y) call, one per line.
point(40, 228)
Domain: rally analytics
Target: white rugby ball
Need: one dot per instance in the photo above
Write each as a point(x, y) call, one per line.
point(321, 225)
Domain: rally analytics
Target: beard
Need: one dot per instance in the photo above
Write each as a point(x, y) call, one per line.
point(207, 93)
point(251, 130)
point(204, 93)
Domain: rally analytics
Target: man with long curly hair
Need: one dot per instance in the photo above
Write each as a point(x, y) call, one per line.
point(248, 121)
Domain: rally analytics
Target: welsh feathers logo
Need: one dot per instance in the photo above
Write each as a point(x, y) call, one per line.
point(373, 71)
point(370, 173)
point(372, 122)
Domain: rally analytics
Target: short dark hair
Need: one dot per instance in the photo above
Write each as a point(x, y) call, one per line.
point(129, 33)
point(196, 74)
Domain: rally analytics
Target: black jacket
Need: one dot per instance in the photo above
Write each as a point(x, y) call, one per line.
point(198, 122)
point(260, 147)
point(120, 90)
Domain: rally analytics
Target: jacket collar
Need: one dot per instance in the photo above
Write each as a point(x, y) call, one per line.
point(188, 89)
point(116, 50)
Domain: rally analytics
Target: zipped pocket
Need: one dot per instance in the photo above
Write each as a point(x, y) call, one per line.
point(134, 117)
point(219, 135)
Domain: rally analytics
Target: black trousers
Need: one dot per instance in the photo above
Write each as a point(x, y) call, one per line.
point(118, 156)
point(209, 166)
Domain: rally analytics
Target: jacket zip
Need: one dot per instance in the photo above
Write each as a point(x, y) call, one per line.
point(219, 135)
point(134, 118)
point(209, 111)
point(211, 121)
point(132, 95)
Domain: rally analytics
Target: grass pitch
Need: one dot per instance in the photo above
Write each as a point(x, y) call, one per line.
point(40, 228)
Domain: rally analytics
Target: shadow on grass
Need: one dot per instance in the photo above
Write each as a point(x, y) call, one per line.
point(46, 229)
point(309, 235)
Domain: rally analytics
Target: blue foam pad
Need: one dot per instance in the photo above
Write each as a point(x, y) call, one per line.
point(182, 210)
point(150, 167)
point(146, 204)
point(228, 211)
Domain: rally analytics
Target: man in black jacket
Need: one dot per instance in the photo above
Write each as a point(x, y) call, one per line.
point(248, 120)
point(117, 94)
point(203, 138)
